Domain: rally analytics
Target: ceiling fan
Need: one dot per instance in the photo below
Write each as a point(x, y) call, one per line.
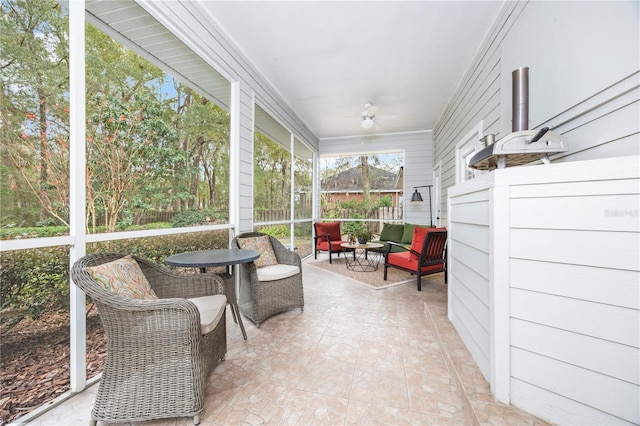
point(368, 117)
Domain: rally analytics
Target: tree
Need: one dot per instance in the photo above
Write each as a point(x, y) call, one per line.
point(366, 182)
point(149, 145)
point(272, 175)
point(204, 134)
point(34, 115)
point(131, 146)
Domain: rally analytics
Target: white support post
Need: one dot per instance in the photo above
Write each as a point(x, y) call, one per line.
point(234, 158)
point(77, 189)
point(499, 331)
point(449, 251)
point(292, 224)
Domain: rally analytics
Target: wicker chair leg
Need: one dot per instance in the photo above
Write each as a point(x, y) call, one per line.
point(196, 419)
point(93, 422)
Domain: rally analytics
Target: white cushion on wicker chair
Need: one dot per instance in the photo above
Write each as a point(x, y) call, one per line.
point(277, 272)
point(211, 309)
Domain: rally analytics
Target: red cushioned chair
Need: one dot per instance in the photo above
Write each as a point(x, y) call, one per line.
point(426, 256)
point(327, 238)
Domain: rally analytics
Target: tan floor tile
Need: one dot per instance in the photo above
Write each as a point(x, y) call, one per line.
point(364, 413)
point(497, 414)
point(418, 418)
point(382, 334)
point(380, 386)
point(355, 356)
point(425, 361)
point(342, 329)
point(256, 403)
point(438, 396)
point(328, 377)
point(308, 408)
point(338, 348)
point(302, 342)
point(420, 333)
point(278, 367)
point(376, 355)
point(219, 392)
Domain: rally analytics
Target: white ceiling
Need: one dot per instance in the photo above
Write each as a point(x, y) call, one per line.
point(327, 58)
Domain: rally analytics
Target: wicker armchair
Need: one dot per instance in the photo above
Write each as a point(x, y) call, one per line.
point(157, 357)
point(260, 300)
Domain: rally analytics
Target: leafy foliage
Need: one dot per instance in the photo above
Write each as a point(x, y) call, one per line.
point(35, 281)
point(278, 231)
point(13, 233)
point(272, 178)
point(34, 111)
point(189, 218)
point(152, 143)
point(385, 201)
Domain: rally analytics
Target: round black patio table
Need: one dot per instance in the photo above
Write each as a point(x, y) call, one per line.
point(210, 258)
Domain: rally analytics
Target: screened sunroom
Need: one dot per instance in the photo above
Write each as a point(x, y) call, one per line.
point(160, 127)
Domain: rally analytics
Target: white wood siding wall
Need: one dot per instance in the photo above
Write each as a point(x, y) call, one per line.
point(194, 25)
point(418, 163)
point(584, 60)
point(575, 297)
point(544, 286)
point(468, 267)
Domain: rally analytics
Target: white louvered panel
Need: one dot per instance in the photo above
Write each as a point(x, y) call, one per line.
point(138, 27)
point(113, 6)
point(161, 49)
point(135, 26)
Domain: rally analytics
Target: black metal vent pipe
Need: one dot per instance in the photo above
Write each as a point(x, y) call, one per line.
point(520, 99)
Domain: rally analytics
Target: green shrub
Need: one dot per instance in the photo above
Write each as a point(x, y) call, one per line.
point(159, 248)
point(50, 221)
point(385, 201)
point(34, 232)
point(354, 228)
point(278, 231)
point(35, 281)
point(189, 218)
point(155, 225)
point(198, 217)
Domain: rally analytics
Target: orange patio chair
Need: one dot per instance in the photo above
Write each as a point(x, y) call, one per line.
point(426, 256)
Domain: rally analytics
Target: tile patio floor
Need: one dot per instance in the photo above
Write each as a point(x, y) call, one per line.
point(356, 356)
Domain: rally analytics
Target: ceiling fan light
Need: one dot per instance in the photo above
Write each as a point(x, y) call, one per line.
point(367, 123)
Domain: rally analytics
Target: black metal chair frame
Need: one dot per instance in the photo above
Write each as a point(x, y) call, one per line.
point(435, 242)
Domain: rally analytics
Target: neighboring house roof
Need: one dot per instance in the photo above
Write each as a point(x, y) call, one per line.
point(351, 180)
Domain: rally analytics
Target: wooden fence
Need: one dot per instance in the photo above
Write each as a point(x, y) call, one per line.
point(381, 213)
